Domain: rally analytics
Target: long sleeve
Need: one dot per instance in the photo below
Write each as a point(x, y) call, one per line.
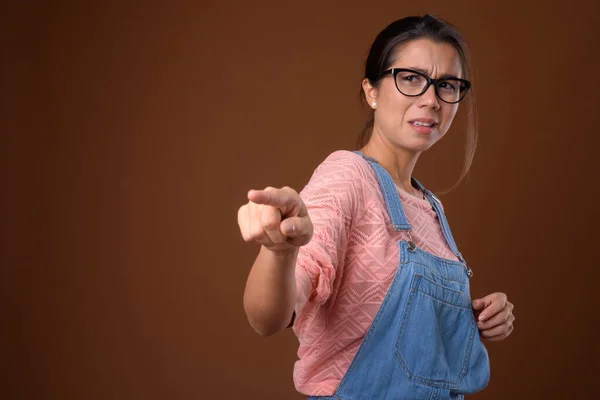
point(332, 197)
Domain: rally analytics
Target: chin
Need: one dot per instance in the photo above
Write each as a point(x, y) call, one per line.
point(418, 145)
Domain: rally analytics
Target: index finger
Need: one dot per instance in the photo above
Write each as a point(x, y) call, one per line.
point(275, 198)
point(493, 308)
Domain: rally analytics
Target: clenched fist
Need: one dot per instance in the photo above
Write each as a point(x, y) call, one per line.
point(275, 218)
point(495, 316)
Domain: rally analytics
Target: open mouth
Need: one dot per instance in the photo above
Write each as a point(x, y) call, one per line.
point(423, 126)
point(428, 124)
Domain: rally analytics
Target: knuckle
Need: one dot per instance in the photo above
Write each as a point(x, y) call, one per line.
point(269, 221)
point(255, 231)
point(244, 232)
point(290, 190)
point(269, 225)
point(255, 235)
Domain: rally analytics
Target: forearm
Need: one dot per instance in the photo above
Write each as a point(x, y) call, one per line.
point(270, 294)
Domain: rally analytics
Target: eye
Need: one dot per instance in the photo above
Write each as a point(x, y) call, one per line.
point(412, 78)
point(448, 86)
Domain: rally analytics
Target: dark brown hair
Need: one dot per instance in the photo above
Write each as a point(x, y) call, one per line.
point(400, 33)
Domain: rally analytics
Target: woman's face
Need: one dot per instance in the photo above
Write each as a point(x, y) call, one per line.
point(414, 123)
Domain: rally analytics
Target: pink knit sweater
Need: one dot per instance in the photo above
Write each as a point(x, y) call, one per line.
point(343, 274)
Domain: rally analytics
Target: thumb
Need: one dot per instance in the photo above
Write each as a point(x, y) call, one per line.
point(479, 304)
point(297, 227)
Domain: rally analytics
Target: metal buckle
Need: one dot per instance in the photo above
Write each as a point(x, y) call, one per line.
point(411, 245)
point(467, 268)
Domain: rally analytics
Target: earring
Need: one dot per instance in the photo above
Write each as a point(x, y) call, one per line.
point(374, 104)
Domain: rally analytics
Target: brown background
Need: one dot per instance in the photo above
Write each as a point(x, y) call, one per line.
point(131, 133)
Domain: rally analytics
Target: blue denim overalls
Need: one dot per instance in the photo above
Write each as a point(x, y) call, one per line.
point(423, 343)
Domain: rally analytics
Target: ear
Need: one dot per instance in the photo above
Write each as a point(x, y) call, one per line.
point(370, 93)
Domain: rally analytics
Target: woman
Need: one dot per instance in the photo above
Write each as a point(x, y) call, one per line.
point(362, 263)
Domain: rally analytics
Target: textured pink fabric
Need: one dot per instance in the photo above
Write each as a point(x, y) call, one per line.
point(343, 274)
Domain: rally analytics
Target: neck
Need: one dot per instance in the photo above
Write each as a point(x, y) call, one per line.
point(398, 162)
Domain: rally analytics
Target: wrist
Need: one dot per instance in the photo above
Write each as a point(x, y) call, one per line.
point(283, 254)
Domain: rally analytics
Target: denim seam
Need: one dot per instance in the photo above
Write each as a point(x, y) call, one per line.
point(444, 302)
point(401, 332)
point(468, 355)
point(446, 229)
point(421, 277)
point(436, 204)
point(393, 204)
point(435, 272)
point(396, 212)
point(382, 184)
point(434, 394)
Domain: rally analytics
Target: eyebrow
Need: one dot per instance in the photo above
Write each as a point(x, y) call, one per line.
point(445, 76)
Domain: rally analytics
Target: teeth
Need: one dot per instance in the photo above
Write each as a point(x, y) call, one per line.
point(421, 123)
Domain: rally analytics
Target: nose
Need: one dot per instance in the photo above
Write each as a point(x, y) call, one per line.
point(429, 98)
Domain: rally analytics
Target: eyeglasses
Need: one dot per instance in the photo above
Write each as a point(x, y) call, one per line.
point(414, 83)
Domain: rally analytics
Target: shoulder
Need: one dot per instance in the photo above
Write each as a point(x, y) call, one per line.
point(344, 178)
point(344, 163)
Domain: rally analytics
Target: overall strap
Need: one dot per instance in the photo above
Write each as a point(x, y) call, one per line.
point(437, 207)
point(390, 195)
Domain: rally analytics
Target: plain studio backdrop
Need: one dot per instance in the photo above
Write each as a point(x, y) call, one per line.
point(131, 133)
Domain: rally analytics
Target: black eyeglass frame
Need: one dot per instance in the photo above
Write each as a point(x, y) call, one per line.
point(430, 81)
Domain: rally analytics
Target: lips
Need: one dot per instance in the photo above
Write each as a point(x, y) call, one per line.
point(423, 126)
point(426, 122)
